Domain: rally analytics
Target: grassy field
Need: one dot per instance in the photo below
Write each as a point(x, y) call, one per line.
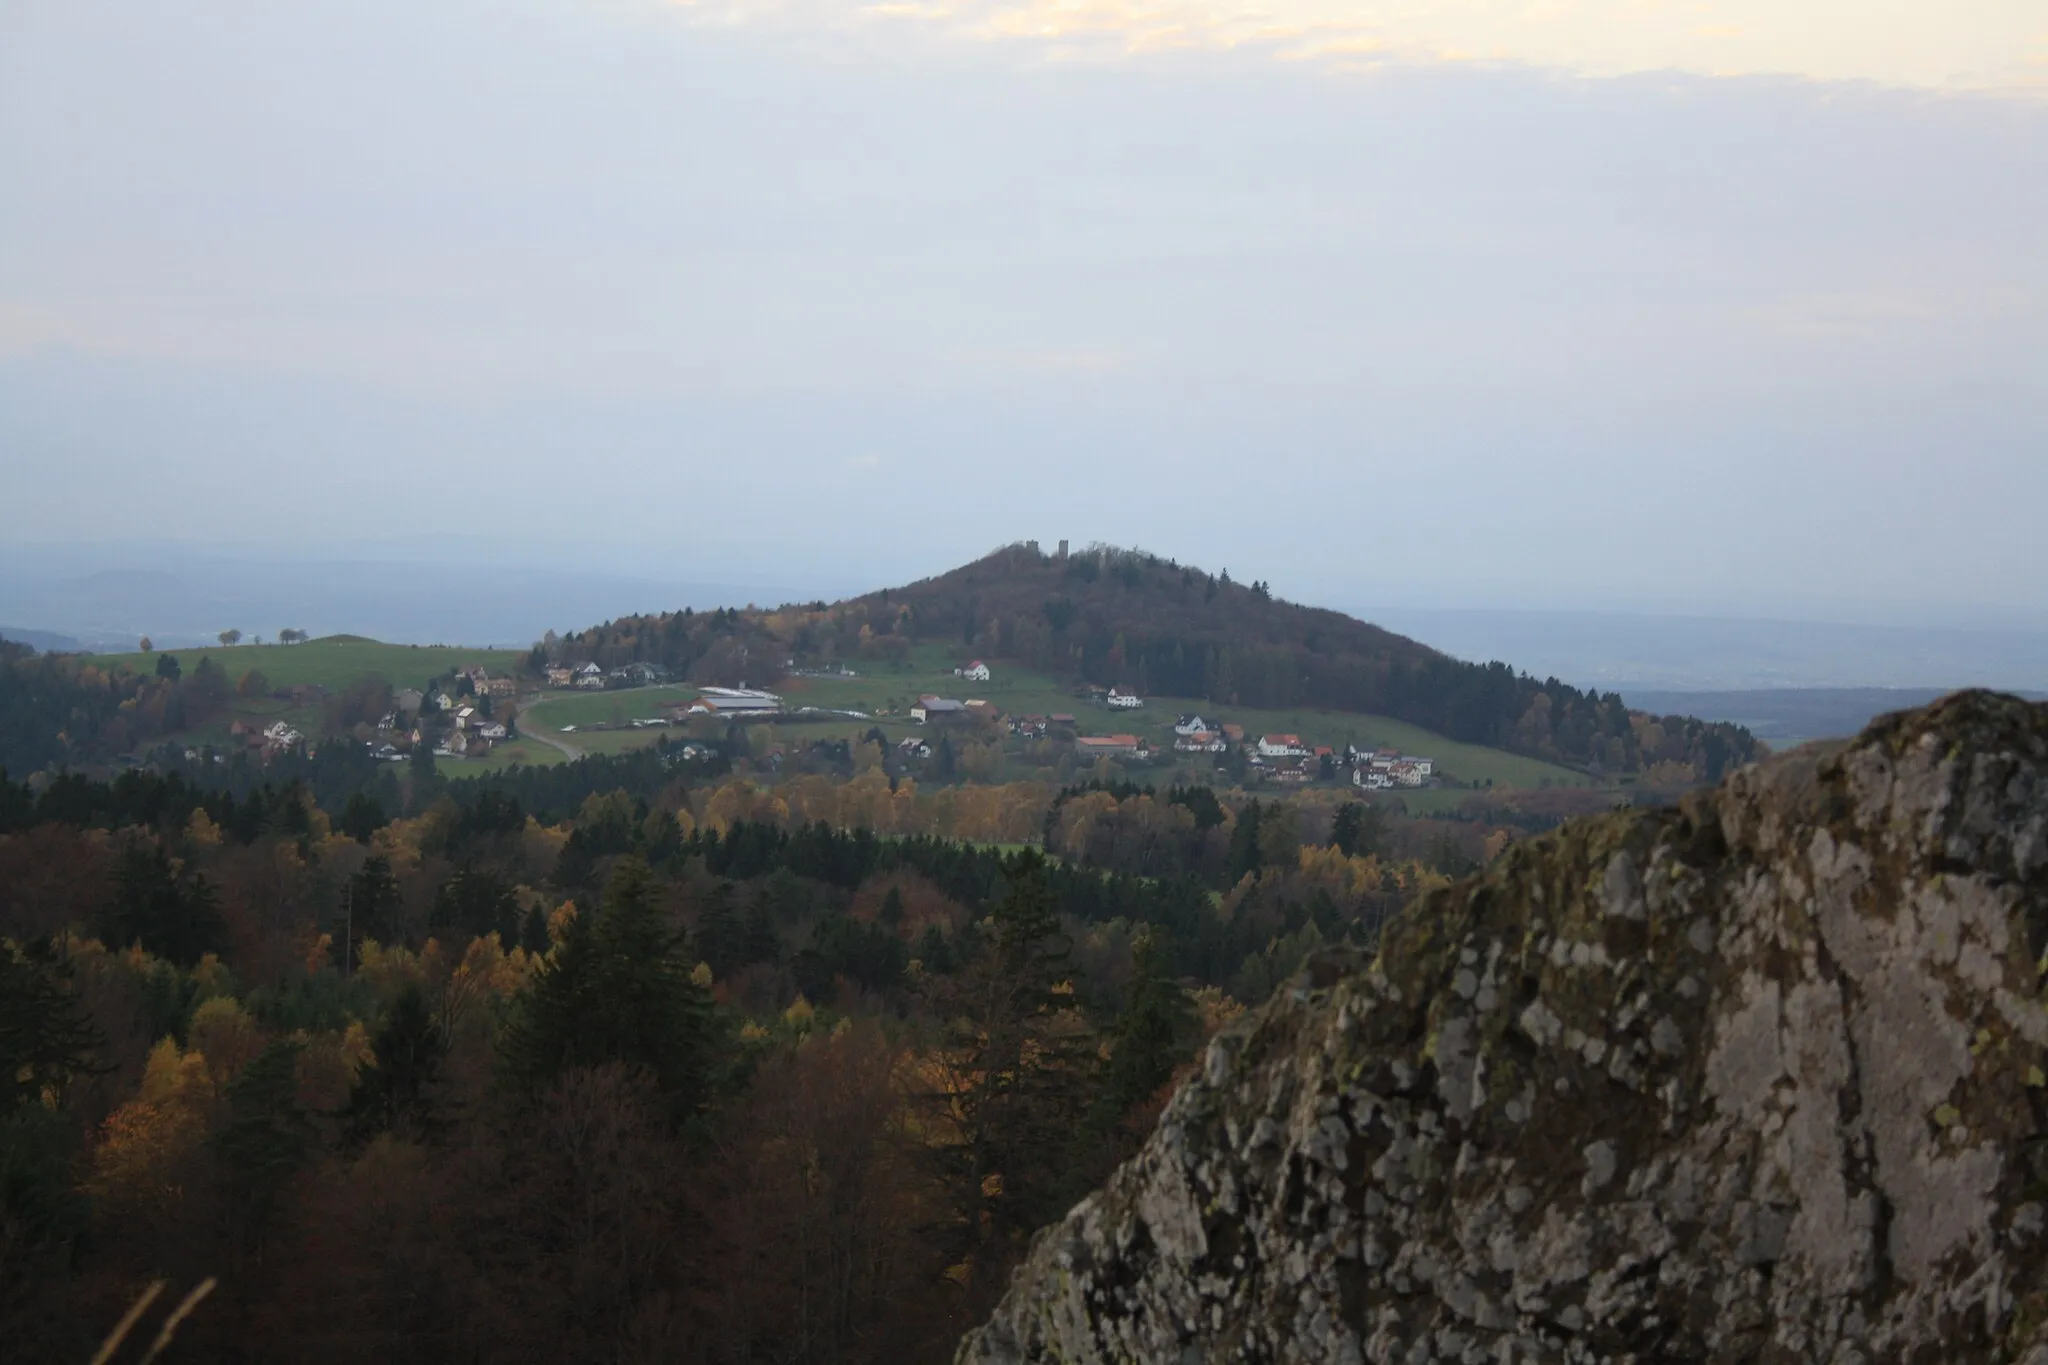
point(530, 752)
point(890, 690)
point(333, 663)
point(604, 708)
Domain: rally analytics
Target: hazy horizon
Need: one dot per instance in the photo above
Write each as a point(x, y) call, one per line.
point(476, 593)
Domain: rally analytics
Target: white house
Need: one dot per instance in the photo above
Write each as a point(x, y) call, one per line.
point(1192, 725)
point(1201, 742)
point(1123, 701)
point(491, 730)
point(1281, 746)
point(590, 676)
point(974, 672)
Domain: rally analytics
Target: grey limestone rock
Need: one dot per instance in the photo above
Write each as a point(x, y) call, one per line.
point(1756, 1078)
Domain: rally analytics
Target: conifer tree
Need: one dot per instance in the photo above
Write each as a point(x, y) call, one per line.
point(393, 1090)
point(762, 943)
point(617, 988)
point(175, 917)
point(267, 1138)
point(1023, 1059)
point(46, 1037)
point(1151, 1036)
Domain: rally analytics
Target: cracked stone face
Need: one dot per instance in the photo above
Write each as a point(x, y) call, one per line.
point(1757, 1078)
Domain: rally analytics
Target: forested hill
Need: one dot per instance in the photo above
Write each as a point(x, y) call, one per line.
point(1129, 619)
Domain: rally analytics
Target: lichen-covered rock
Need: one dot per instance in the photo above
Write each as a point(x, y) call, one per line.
point(1756, 1078)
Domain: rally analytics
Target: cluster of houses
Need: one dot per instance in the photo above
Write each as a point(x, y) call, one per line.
point(470, 732)
point(1286, 758)
point(267, 741)
point(1038, 727)
point(484, 685)
point(1383, 769)
point(590, 677)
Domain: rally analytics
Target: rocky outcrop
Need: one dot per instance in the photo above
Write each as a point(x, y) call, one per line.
point(1755, 1078)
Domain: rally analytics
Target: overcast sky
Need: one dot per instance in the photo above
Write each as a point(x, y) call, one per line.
point(1714, 305)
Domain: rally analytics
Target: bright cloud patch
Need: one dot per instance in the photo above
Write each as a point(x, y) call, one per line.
point(1987, 45)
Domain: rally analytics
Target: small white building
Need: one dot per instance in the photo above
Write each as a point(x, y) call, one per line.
point(974, 672)
point(1281, 746)
point(1123, 701)
point(1192, 725)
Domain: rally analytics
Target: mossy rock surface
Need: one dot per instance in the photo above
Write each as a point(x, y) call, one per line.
point(1754, 1078)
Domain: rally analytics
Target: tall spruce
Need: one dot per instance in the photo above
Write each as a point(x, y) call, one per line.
point(267, 1139)
point(1151, 1037)
point(617, 988)
point(393, 1089)
point(1023, 1060)
point(172, 915)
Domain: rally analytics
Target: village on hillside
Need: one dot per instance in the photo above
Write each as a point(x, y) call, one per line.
point(470, 712)
point(1283, 759)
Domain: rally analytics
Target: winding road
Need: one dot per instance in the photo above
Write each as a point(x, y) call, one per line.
point(542, 732)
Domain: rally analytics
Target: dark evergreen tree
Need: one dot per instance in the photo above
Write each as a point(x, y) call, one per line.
point(762, 943)
point(1025, 1059)
point(265, 1141)
point(617, 988)
point(427, 782)
point(1151, 1037)
point(172, 915)
point(476, 901)
point(362, 817)
point(1359, 830)
point(47, 1039)
point(934, 953)
point(374, 905)
point(533, 934)
point(1244, 841)
point(393, 1090)
point(721, 937)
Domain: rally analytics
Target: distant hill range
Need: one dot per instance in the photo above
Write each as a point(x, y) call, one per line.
point(42, 641)
point(1788, 716)
point(1128, 619)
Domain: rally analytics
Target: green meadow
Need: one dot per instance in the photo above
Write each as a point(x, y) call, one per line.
point(333, 662)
